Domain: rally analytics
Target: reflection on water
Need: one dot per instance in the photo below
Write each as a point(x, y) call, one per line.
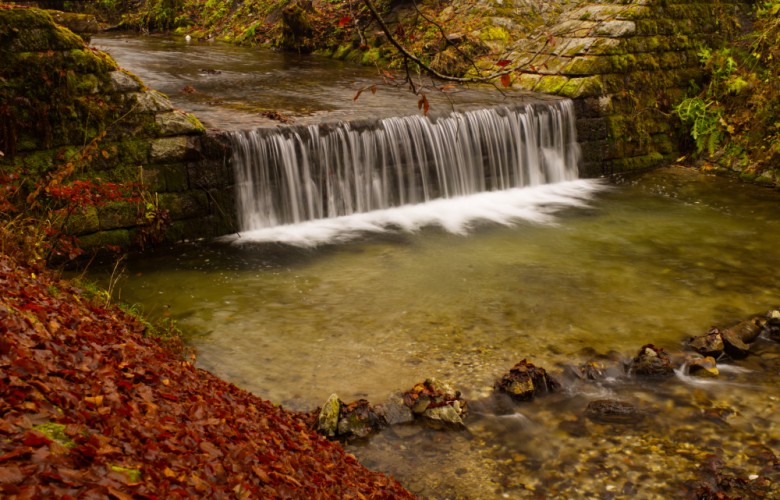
point(656, 260)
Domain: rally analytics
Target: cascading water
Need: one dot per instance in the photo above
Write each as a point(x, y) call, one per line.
point(290, 175)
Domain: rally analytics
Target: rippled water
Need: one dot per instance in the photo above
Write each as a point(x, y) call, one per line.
point(658, 259)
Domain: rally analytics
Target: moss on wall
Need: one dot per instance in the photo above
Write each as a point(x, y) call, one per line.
point(58, 95)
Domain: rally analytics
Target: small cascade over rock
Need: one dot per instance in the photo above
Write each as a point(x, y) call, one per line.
point(293, 174)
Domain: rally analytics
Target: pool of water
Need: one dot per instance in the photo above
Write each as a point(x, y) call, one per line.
point(657, 259)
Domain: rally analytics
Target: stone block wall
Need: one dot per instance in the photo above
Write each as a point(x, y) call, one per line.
point(58, 96)
point(626, 63)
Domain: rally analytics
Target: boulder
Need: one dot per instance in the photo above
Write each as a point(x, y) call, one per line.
point(651, 362)
point(526, 381)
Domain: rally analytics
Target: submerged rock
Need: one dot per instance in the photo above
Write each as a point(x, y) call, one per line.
point(651, 361)
point(526, 381)
point(612, 411)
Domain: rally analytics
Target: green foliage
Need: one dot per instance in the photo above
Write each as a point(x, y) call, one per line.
point(704, 119)
point(704, 113)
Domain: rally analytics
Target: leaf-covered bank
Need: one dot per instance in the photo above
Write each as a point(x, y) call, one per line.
point(89, 407)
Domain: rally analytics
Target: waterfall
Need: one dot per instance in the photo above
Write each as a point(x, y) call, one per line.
point(292, 174)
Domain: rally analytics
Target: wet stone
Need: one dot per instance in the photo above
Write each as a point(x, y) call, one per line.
point(395, 411)
point(651, 362)
point(772, 325)
point(612, 411)
point(703, 367)
point(710, 344)
point(526, 381)
point(328, 419)
point(743, 333)
point(437, 402)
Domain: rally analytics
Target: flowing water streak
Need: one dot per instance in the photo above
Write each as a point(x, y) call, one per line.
point(289, 175)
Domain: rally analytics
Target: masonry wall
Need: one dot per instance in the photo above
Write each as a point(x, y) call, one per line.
point(57, 95)
point(626, 64)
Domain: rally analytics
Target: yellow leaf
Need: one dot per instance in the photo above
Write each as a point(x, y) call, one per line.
point(95, 400)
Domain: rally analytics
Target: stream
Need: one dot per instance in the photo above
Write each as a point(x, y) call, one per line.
point(657, 258)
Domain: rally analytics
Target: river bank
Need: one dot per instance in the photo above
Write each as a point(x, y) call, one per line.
point(89, 406)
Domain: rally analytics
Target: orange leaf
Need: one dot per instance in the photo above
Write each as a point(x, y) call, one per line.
point(503, 62)
point(343, 21)
point(95, 400)
point(506, 79)
point(423, 104)
point(357, 95)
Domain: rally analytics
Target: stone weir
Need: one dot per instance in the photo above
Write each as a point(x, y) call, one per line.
point(292, 174)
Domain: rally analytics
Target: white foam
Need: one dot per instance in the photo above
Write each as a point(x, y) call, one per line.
point(456, 215)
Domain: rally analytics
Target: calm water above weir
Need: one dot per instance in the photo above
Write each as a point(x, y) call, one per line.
point(653, 261)
point(462, 289)
point(230, 87)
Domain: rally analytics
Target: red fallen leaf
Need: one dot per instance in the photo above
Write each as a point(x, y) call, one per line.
point(35, 439)
point(423, 104)
point(533, 68)
point(18, 452)
point(503, 62)
point(11, 474)
point(119, 494)
point(344, 20)
point(506, 79)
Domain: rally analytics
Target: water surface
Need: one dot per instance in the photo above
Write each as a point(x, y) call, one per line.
point(657, 259)
point(231, 87)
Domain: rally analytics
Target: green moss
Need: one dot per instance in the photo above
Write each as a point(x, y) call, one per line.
point(175, 176)
point(185, 205)
point(527, 81)
point(494, 34)
point(551, 84)
point(371, 56)
point(118, 215)
point(55, 432)
point(133, 475)
point(121, 238)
